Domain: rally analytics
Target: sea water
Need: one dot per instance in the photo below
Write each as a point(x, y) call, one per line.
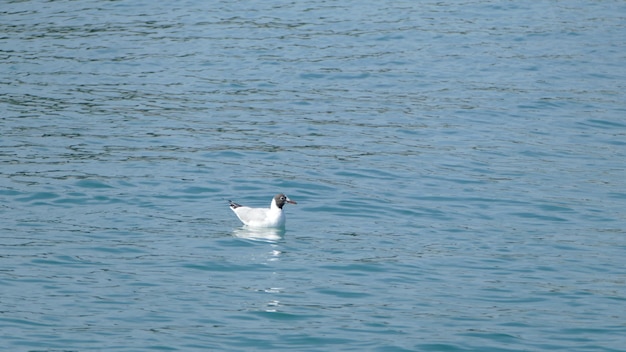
point(459, 169)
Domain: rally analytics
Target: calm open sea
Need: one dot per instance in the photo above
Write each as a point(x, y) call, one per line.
point(459, 168)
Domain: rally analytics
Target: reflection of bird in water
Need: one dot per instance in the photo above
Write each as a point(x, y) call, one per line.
point(259, 233)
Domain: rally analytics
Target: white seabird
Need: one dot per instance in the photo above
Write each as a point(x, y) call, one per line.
point(263, 217)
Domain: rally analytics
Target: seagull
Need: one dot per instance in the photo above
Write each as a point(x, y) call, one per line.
point(263, 217)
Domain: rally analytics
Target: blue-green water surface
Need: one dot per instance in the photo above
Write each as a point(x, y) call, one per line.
point(459, 168)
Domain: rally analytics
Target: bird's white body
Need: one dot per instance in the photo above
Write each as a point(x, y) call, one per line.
point(263, 217)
